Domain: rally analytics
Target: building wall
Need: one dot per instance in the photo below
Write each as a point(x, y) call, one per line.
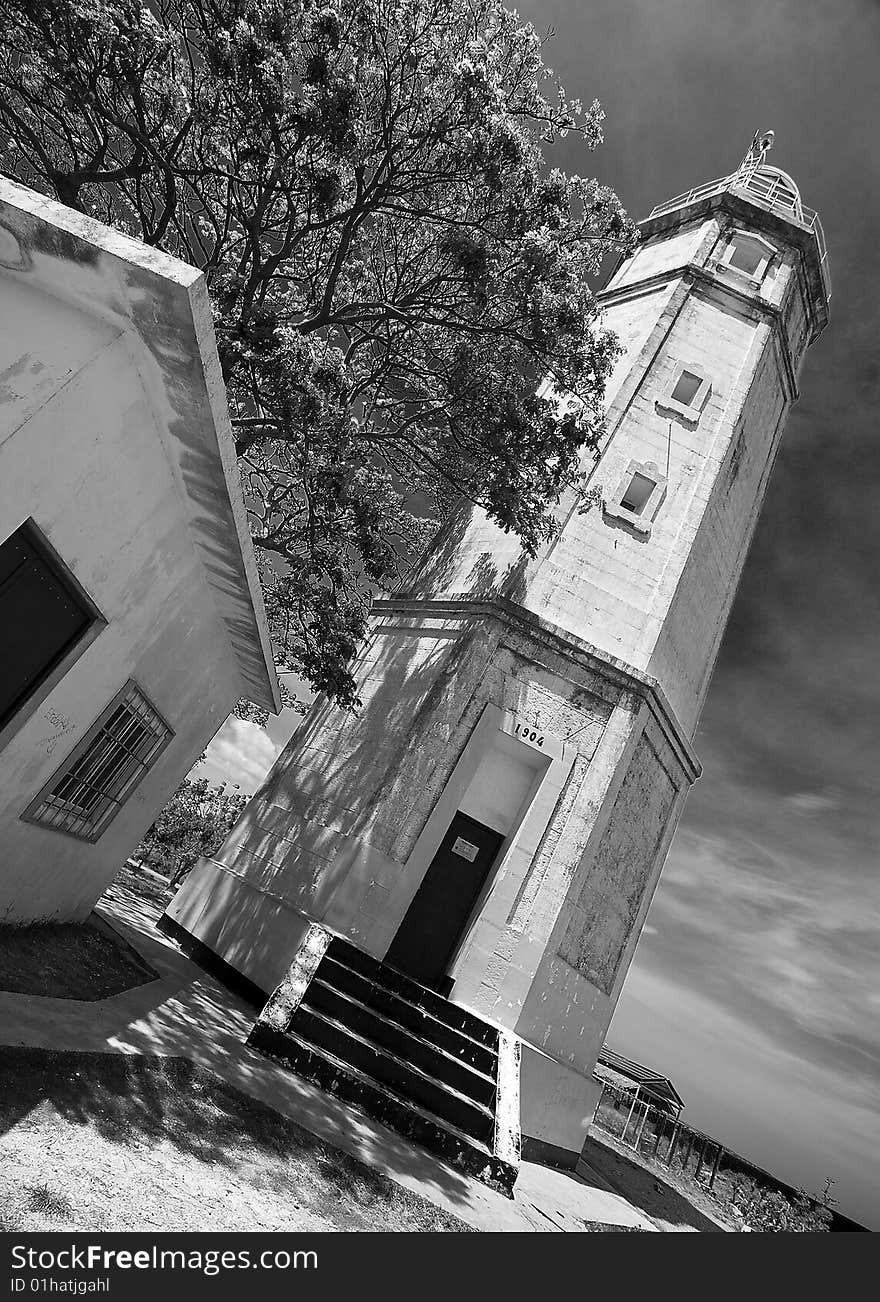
point(664, 254)
point(696, 600)
point(334, 830)
point(472, 554)
point(79, 454)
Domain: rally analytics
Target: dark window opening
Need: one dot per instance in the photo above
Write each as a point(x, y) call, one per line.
point(42, 616)
point(687, 387)
point(84, 796)
point(746, 256)
point(636, 497)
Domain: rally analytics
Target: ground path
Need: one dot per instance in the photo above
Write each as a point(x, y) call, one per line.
point(186, 1014)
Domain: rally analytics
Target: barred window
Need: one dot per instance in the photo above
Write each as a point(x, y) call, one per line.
point(100, 775)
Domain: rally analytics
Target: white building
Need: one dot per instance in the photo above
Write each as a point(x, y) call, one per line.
point(491, 826)
point(130, 613)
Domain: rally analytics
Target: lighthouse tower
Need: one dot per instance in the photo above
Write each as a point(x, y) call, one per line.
point(482, 840)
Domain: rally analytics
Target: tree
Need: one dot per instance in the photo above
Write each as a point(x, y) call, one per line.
point(825, 1197)
point(194, 823)
point(395, 270)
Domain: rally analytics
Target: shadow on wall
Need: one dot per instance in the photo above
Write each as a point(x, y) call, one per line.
point(371, 776)
point(440, 562)
point(426, 682)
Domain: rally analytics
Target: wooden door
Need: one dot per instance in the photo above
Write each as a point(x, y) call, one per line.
point(433, 924)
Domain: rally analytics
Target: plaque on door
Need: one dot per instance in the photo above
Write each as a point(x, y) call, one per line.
point(465, 849)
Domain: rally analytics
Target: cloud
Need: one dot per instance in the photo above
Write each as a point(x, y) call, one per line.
point(810, 802)
point(801, 1119)
point(774, 937)
point(240, 752)
point(762, 961)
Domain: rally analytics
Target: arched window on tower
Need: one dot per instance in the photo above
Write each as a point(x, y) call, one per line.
point(748, 254)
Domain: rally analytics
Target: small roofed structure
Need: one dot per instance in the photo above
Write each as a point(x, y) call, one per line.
point(638, 1082)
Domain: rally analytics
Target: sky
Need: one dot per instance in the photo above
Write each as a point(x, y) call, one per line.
point(756, 983)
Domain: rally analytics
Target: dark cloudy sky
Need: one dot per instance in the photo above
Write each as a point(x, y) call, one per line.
point(756, 985)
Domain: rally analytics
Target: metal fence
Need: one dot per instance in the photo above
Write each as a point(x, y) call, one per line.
point(645, 1128)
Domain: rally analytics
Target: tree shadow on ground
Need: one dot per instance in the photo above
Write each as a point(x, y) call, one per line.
point(142, 1102)
point(168, 1060)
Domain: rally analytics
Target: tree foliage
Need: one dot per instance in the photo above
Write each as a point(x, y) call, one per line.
point(771, 1210)
point(394, 267)
point(194, 823)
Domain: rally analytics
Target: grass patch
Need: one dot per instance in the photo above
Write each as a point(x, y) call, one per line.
point(69, 960)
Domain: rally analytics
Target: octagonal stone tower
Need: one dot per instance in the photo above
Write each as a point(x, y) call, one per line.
point(494, 820)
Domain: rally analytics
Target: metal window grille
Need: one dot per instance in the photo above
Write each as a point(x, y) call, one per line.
point(89, 791)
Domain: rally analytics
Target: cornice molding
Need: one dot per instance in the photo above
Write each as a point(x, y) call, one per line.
point(568, 645)
point(716, 287)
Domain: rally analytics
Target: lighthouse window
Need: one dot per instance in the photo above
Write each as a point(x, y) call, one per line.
point(748, 254)
point(745, 256)
point(636, 497)
point(686, 393)
point(686, 388)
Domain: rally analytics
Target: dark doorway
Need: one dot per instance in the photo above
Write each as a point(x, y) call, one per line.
point(443, 903)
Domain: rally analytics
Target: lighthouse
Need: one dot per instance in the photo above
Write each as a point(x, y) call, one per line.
point(438, 897)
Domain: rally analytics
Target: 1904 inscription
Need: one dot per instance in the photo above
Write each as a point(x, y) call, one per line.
point(528, 733)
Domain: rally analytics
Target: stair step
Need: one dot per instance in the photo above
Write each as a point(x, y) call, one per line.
point(482, 1057)
point(378, 1064)
point(341, 951)
point(347, 1082)
point(413, 1047)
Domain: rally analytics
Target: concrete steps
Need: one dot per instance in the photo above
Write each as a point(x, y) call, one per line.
point(421, 1065)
